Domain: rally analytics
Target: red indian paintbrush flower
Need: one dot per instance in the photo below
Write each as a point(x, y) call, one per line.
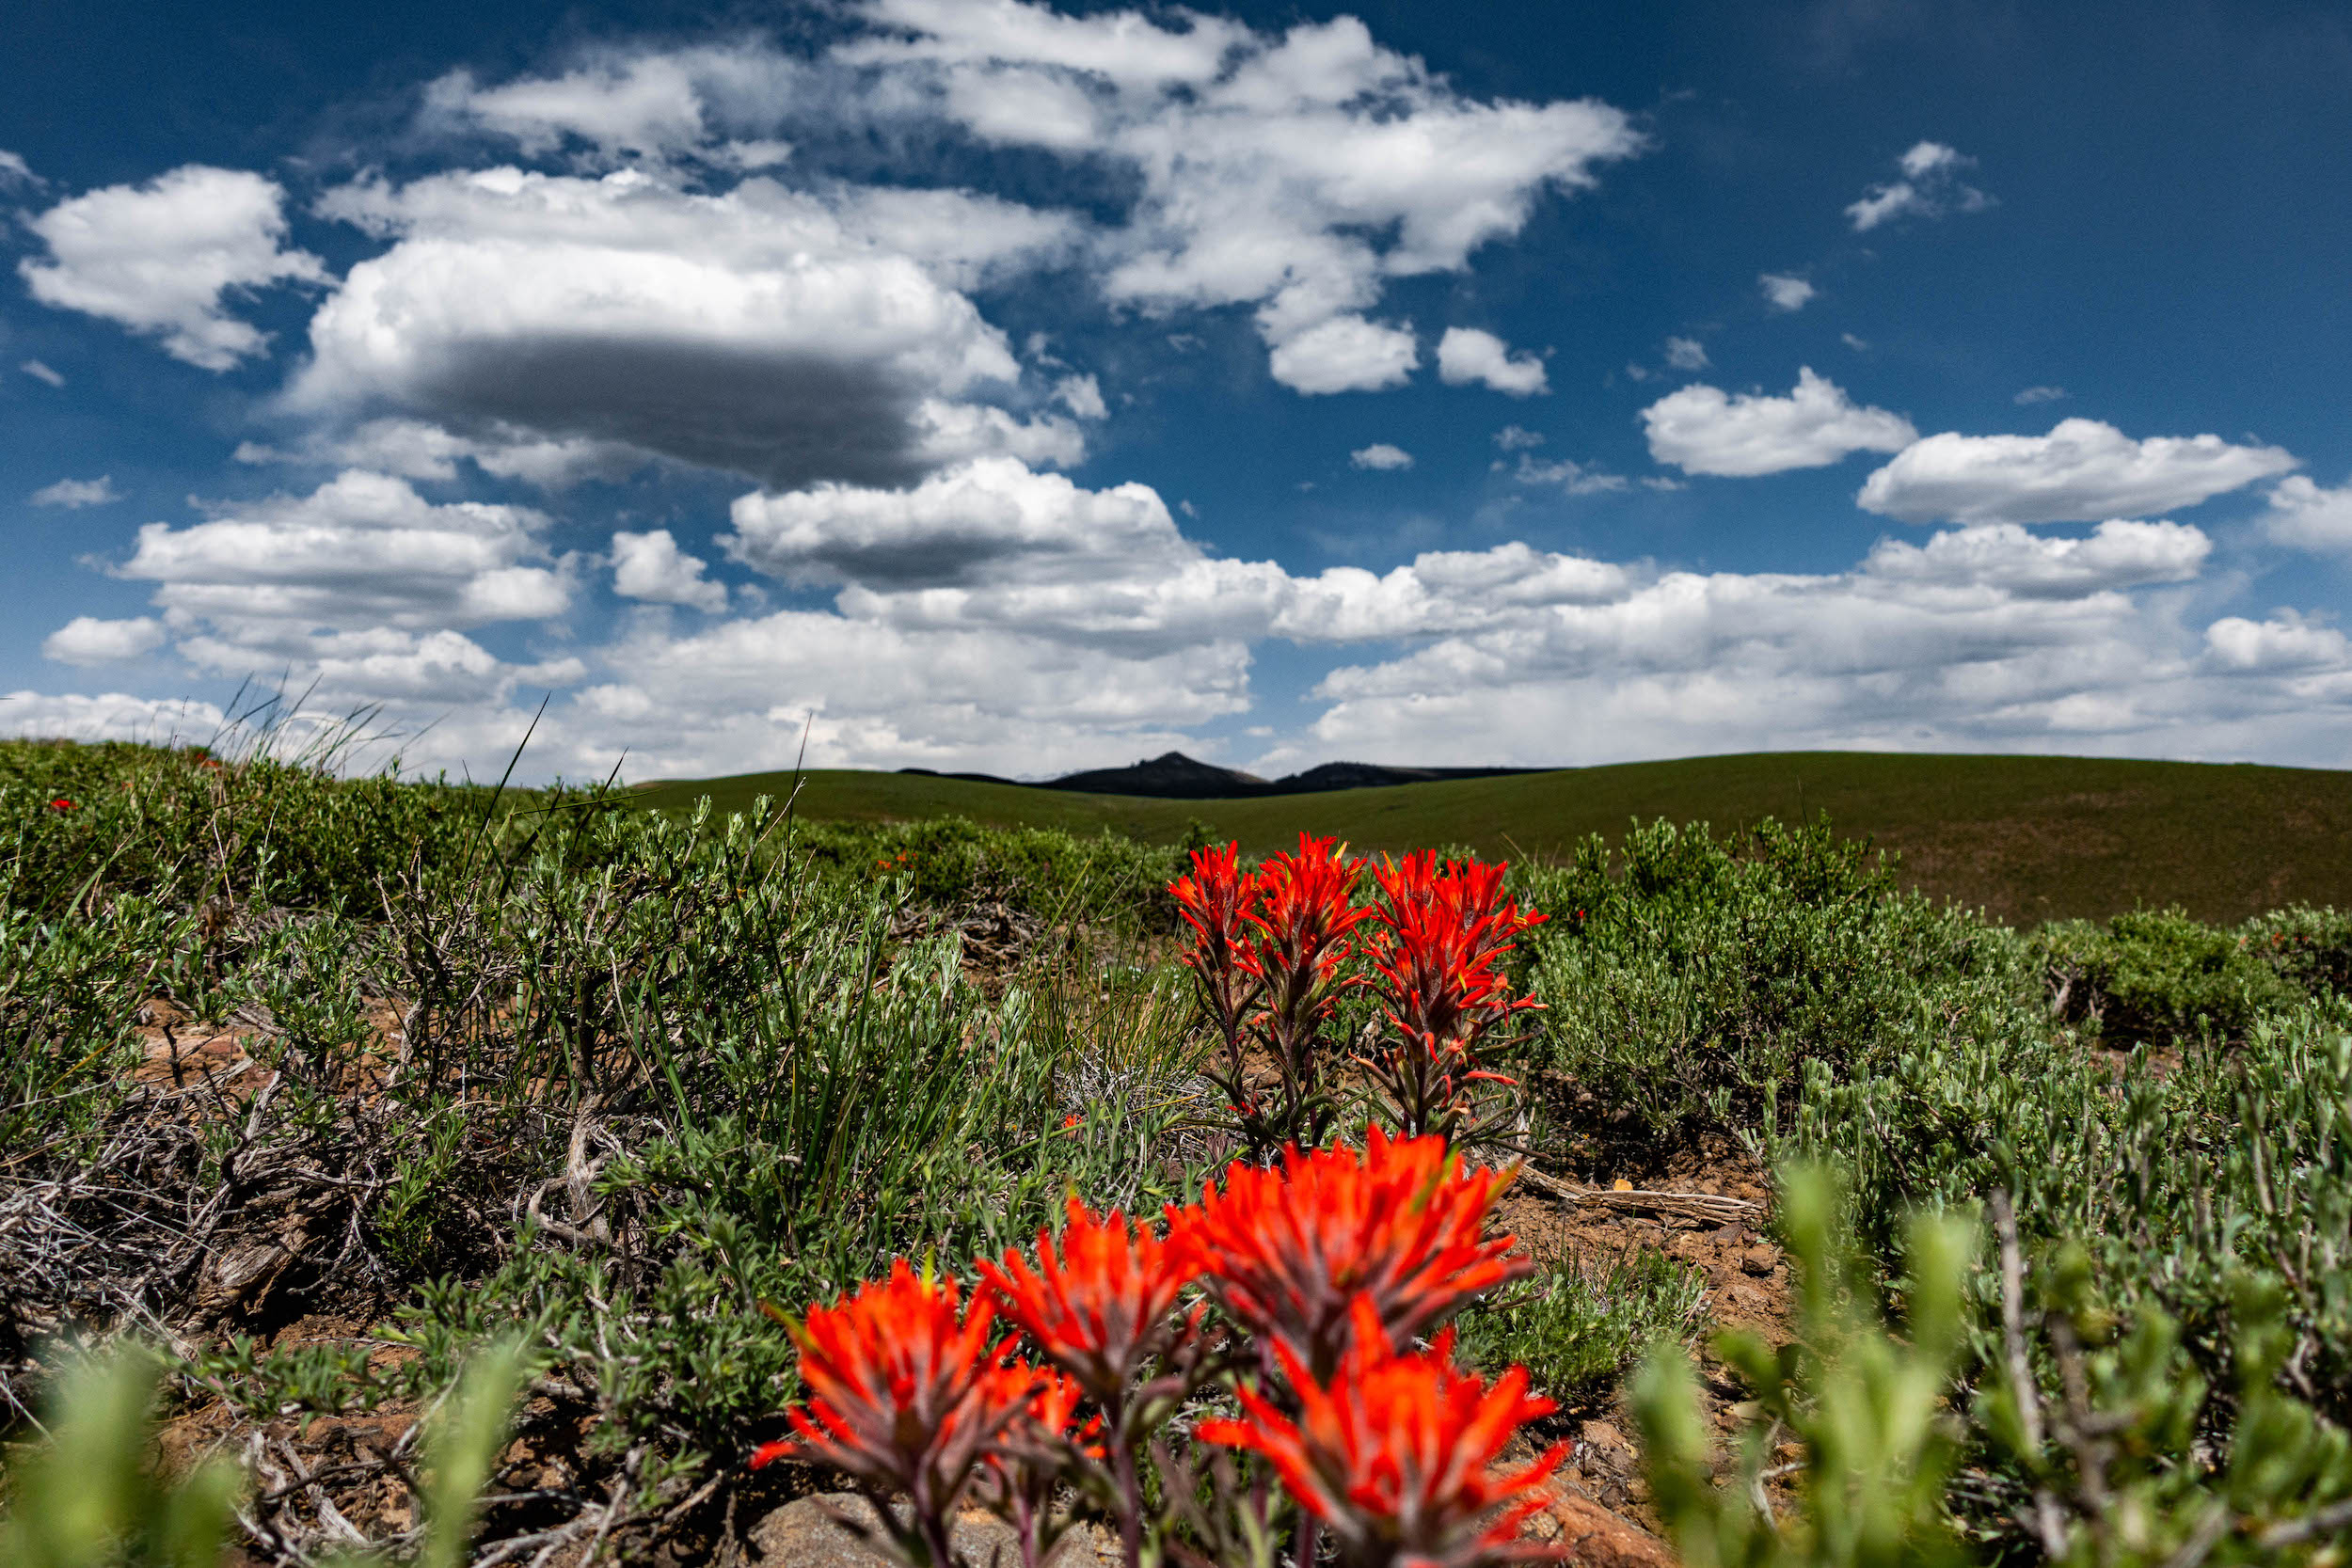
point(1439, 935)
point(905, 1392)
point(1214, 899)
point(1442, 933)
point(1098, 1301)
point(1285, 1252)
point(1305, 909)
point(1394, 1455)
point(1267, 954)
point(1098, 1305)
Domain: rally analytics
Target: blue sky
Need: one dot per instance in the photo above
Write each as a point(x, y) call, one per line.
point(965, 383)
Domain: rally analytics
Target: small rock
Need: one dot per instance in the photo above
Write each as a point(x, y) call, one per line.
point(1600, 1434)
point(1759, 1261)
point(1593, 1537)
point(803, 1534)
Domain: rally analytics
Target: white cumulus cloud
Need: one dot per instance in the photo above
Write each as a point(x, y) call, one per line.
point(39, 372)
point(73, 493)
point(1381, 456)
point(2284, 641)
point(2118, 554)
point(89, 641)
point(1345, 353)
point(1467, 354)
point(2083, 469)
point(2307, 516)
point(1785, 291)
point(160, 258)
point(1930, 187)
point(650, 567)
point(761, 331)
point(363, 583)
point(1704, 430)
point(1686, 354)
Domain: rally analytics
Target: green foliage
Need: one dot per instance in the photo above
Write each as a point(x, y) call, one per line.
point(1864, 1404)
point(1053, 875)
point(2311, 949)
point(2235, 1163)
point(1695, 979)
point(1576, 1329)
point(162, 824)
point(460, 1453)
point(2157, 975)
point(87, 1496)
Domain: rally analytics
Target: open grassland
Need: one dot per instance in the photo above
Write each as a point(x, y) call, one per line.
point(2023, 838)
point(467, 1164)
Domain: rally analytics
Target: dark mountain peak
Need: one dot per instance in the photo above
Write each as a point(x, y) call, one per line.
point(1171, 776)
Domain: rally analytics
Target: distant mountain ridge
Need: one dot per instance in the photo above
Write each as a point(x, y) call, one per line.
point(1174, 776)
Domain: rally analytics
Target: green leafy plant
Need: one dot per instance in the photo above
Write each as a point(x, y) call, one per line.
point(88, 1495)
point(1577, 1328)
point(1866, 1407)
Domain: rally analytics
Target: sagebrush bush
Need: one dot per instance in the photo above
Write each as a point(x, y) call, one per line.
point(2157, 975)
point(1689, 978)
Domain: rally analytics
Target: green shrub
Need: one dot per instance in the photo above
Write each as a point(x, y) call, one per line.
point(2157, 975)
point(2311, 949)
point(1576, 1329)
point(1700, 979)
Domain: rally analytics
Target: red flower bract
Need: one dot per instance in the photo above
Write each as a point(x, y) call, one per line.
point(1444, 932)
point(1098, 1300)
point(905, 1389)
point(1394, 1455)
point(1305, 909)
point(60, 803)
point(1286, 1252)
point(1438, 937)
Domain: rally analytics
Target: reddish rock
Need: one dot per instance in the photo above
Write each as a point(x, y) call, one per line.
point(1591, 1534)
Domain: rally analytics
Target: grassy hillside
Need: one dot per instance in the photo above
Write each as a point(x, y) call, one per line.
point(2027, 838)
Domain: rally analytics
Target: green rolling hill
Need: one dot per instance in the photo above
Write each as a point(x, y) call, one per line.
point(2027, 838)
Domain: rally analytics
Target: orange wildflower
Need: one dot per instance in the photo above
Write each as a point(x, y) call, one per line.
point(1098, 1301)
point(1395, 1455)
point(1287, 1252)
point(905, 1393)
point(1441, 934)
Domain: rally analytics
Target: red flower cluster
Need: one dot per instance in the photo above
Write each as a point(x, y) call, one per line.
point(1337, 1259)
point(1269, 952)
point(1440, 934)
point(906, 1393)
point(1270, 955)
point(1395, 1455)
point(1288, 1253)
point(1098, 1303)
point(61, 803)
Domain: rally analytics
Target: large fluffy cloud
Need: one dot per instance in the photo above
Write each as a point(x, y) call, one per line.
point(993, 546)
point(1704, 430)
point(1291, 173)
point(2118, 554)
point(159, 257)
point(759, 330)
point(2082, 470)
point(2309, 517)
point(362, 584)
